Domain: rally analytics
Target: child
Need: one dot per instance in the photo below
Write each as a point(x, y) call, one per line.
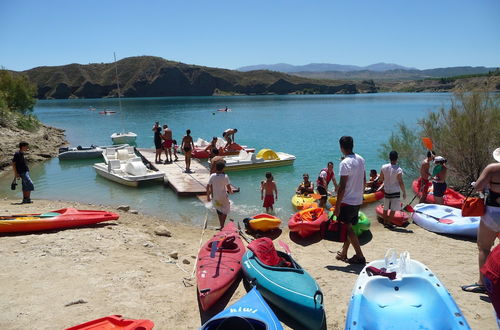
point(175, 146)
point(269, 187)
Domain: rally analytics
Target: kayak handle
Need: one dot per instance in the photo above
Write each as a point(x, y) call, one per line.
point(320, 295)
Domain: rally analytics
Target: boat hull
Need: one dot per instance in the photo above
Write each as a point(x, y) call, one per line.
point(463, 226)
point(400, 217)
point(64, 218)
point(265, 164)
point(131, 181)
point(123, 138)
point(367, 198)
point(298, 201)
point(300, 224)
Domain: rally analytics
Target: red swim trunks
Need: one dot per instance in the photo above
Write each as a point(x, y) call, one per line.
point(268, 201)
point(167, 144)
point(422, 182)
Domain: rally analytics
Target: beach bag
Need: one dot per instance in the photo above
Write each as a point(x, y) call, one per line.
point(332, 230)
point(473, 206)
point(13, 184)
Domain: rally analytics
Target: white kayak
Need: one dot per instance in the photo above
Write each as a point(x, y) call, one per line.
point(444, 219)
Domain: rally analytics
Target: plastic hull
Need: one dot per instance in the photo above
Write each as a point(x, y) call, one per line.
point(400, 218)
point(298, 223)
point(453, 223)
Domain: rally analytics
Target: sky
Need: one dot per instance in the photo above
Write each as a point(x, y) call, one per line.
point(229, 34)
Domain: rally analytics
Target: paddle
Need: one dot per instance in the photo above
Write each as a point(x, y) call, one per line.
point(215, 246)
point(427, 143)
point(446, 221)
point(285, 247)
point(243, 235)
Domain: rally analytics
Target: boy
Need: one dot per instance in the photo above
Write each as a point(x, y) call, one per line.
point(21, 170)
point(269, 187)
point(217, 190)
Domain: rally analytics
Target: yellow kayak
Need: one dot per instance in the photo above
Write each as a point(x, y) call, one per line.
point(298, 201)
point(367, 198)
point(264, 222)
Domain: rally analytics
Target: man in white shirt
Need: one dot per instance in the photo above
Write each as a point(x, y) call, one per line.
point(217, 190)
point(350, 197)
point(391, 177)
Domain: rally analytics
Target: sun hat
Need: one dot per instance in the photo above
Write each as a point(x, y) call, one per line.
point(439, 159)
point(496, 154)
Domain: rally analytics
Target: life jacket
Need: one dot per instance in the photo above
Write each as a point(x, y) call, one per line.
point(304, 189)
point(329, 177)
point(264, 250)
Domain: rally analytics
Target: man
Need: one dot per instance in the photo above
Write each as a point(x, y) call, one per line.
point(157, 140)
point(425, 174)
point(350, 197)
point(21, 170)
point(217, 190)
point(167, 144)
point(229, 134)
point(325, 176)
point(215, 159)
point(391, 178)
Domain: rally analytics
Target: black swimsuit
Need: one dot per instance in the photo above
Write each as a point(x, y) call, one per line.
point(493, 197)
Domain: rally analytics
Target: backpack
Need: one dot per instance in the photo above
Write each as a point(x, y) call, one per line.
point(333, 230)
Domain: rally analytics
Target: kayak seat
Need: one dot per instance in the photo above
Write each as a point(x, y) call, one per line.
point(228, 245)
point(235, 322)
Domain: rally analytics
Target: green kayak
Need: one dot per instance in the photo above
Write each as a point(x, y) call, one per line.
point(362, 225)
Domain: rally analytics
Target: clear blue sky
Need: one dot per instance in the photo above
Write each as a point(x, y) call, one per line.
point(229, 34)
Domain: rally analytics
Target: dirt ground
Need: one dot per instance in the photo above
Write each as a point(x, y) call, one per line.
point(63, 278)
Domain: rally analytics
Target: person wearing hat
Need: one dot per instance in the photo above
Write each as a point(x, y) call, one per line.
point(489, 226)
point(439, 179)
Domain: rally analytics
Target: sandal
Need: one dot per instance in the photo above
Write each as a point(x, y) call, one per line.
point(357, 260)
point(340, 256)
point(389, 226)
point(474, 288)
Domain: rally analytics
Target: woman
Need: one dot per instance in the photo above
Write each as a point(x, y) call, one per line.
point(489, 226)
point(187, 146)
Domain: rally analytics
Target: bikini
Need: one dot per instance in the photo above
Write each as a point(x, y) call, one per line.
point(493, 197)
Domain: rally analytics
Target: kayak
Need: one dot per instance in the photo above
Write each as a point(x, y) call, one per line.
point(264, 222)
point(291, 289)
point(219, 264)
point(307, 222)
point(362, 225)
point(251, 309)
point(400, 218)
point(443, 219)
point(114, 322)
point(63, 218)
point(415, 299)
point(367, 198)
point(299, 201)
point(451, 197)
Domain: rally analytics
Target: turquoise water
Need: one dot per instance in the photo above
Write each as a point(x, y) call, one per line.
point(306, 126)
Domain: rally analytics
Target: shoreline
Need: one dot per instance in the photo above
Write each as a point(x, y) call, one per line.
point(123, 267)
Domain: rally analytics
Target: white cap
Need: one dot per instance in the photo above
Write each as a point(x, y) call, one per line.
point(496, 154)
point(439, 159)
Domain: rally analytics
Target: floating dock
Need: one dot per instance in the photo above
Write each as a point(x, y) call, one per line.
point(184, 184)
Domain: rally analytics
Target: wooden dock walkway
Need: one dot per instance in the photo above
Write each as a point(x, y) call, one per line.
point(184, 184)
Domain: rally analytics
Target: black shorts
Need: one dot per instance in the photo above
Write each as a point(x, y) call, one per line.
point(439, 188)
point(158, 144)
point(187, 149)
point(349, 213)
point(323, 193)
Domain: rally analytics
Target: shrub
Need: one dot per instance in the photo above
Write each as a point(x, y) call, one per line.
point(16, 92)
point(28, 123)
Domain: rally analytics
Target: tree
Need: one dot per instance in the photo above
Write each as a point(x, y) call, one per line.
point(16, 92)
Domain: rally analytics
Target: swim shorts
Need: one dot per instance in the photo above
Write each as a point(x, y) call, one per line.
point(187, 149)
point(158, 144)
point(268, 201)
point(491, 218)
point(424, 182)
point(322, 191)
point(392, 201)
point(26, 180)
point(439, 188)
point(349, 213)
point(167, 144)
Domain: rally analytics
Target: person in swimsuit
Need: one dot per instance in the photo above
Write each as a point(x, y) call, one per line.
point(267, 188)
point(306, 187)
point(229, 134)
point(167, 144)
point(374, 183)
point(211, 147)
point(215, 159)
point(157, 139)
point(187, 146)
point(325, 176)
point(424, 182)
point(489, 226)
point(439, 179)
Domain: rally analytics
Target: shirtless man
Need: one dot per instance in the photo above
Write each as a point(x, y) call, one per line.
point(211, 147)
point(229, 134)
point(268, 191)
point(425, 174)
point(167, 144)
point(187, 146)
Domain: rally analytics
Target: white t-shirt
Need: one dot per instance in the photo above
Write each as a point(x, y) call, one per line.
point(391, 184)
point(219, 183)
point(353, 166)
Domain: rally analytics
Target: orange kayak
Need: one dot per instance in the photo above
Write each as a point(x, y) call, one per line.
point(63, 218)
point(114, 322)
point(308, 221)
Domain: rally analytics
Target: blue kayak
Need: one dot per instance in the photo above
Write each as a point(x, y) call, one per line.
point(291, 289)
point(250, 312)
point(415, 299)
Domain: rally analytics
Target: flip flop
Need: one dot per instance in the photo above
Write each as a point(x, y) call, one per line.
point(389, 226)
point(357, 260)
point(474, 288)
point(340, 257)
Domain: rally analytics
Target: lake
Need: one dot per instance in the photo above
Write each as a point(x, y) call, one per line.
point(307, 126)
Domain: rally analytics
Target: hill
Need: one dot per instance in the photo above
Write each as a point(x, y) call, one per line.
point(323, 67)
point(148, 76)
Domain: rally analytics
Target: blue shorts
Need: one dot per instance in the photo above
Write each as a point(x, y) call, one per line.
point(27, 183)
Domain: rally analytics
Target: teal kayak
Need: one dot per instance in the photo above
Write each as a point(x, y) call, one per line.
point(291, 289)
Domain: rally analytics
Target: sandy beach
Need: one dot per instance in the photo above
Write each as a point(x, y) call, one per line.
point(62, 278)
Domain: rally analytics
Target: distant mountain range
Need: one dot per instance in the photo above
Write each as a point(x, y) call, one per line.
point(149, 76)
point(322, 67)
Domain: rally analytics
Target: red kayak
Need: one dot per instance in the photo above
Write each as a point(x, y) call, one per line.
point(64, 218)
point(400, 219)
point(451, 197)
point(307, 222)
point(219, 265)
point(114, 322)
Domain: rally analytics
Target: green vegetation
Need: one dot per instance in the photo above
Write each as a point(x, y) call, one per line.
point(465, 134)
point(17, 101)
point(445, 80)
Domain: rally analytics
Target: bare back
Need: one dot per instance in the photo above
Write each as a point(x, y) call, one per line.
point(424, 169)
point(167, 134)
point(187, 141)
point(269, 187)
